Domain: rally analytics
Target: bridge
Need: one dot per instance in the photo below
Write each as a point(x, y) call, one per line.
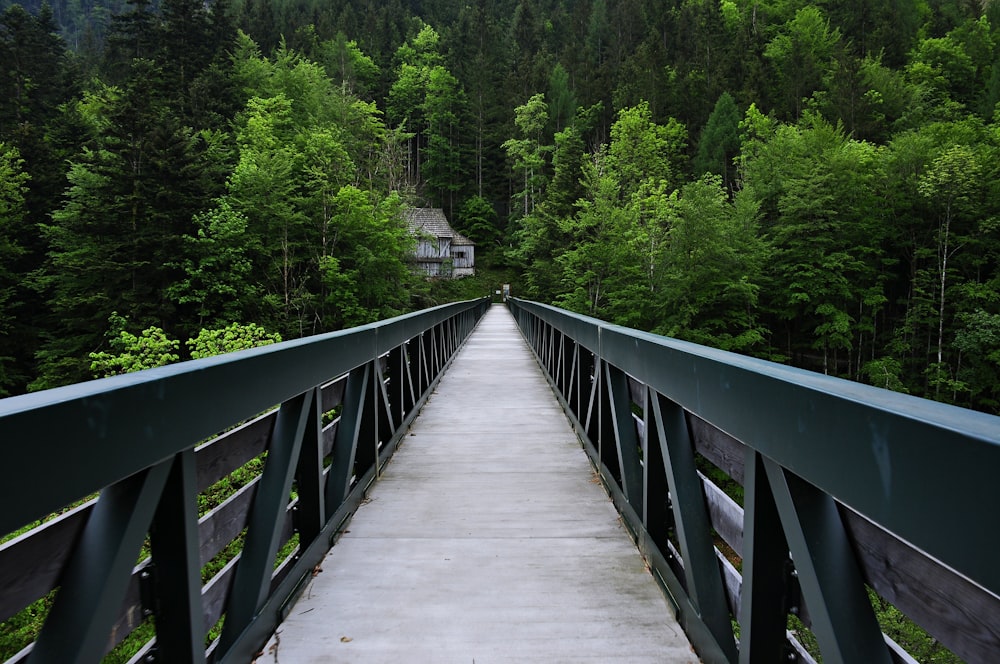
point(571, 490)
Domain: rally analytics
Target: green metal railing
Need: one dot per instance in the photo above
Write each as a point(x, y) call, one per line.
point(846, 487)
point(138, 441)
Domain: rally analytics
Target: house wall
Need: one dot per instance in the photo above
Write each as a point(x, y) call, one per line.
point(463, 256)
point(437, 247)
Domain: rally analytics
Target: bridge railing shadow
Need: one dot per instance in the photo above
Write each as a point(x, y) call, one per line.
point(846, 490)
point(320, 415)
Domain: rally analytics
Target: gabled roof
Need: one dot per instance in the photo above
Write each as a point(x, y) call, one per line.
point(431, 221)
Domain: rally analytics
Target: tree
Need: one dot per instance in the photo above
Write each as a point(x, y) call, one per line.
point(815, 188)
point(800, 55)
point(720, 141)
point(186, 38)
point(113, 244)
point(344, 60)
point(528, 152)
point(372, 239)
point(406, 101)
point(949, 184)
point(264, 188)
point(444, 109)
point(589, 262)
point(153, 348)
point(478, 220)
point(479, 56)
point(13, 185)
point(642, 150)
point(561, 100)
point(218, 280)
point(712, 266)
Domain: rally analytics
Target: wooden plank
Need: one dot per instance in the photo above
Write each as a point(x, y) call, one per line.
point(220, 526)
point(285, 566)
point(329, 436)
point(332, 394)
point(31, 563)
point(233, 449)
point(732, 581)
point(140, 656)
point(725, 514)
point(221, 523)
point(636, 392)
point(896, 652)
point(22, 655)
point(724, 451)
point(957, 612)
point(131, 614)
point(215, 592)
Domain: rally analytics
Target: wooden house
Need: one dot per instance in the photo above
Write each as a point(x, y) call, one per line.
point(441, 250)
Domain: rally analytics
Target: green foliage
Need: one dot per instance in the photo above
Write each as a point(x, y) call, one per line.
point(13, 185)
point(642, 150)
point(800, 54)
point(234, 337)
point(216, 267)
point(720, 140)
point(527, 153)
point(478, 220)
point(152, 348)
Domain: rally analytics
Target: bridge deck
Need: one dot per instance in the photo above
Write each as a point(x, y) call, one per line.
point(488, 538)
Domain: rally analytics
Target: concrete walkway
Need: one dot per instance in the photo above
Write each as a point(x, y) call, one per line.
point(488, 539)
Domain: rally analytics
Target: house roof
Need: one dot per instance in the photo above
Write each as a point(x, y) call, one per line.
point(433, 222)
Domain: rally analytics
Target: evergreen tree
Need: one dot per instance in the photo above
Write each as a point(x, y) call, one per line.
point(720, 141)
point(13, 183)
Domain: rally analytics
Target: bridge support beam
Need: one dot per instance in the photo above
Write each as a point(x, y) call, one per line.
point(310, 512)
point(267, 517)
point(839, 608)
point(671, 440)
point(96, 577)
point(345, 447)
point(625, 439)
point(764, 595)
point(180, 632)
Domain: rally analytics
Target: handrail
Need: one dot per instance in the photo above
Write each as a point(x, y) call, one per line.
point(855, 484)
point(133, 438)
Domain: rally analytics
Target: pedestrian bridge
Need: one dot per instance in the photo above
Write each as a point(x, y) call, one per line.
point(571, 491)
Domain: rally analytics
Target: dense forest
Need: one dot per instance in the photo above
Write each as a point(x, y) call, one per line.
point(813, 183)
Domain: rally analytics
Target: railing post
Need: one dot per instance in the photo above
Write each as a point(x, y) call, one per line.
point(180, 633)
point(310, 512)
point(571, 390)
point(763, 613)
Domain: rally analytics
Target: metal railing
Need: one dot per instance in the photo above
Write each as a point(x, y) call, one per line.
point(846, 487)
point(138, 441)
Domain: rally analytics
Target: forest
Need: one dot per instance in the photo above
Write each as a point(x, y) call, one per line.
point(811, 183)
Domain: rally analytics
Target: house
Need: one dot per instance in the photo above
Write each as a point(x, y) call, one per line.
point(441, 250)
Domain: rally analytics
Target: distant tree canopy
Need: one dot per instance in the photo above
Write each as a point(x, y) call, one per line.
point(808, 183)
